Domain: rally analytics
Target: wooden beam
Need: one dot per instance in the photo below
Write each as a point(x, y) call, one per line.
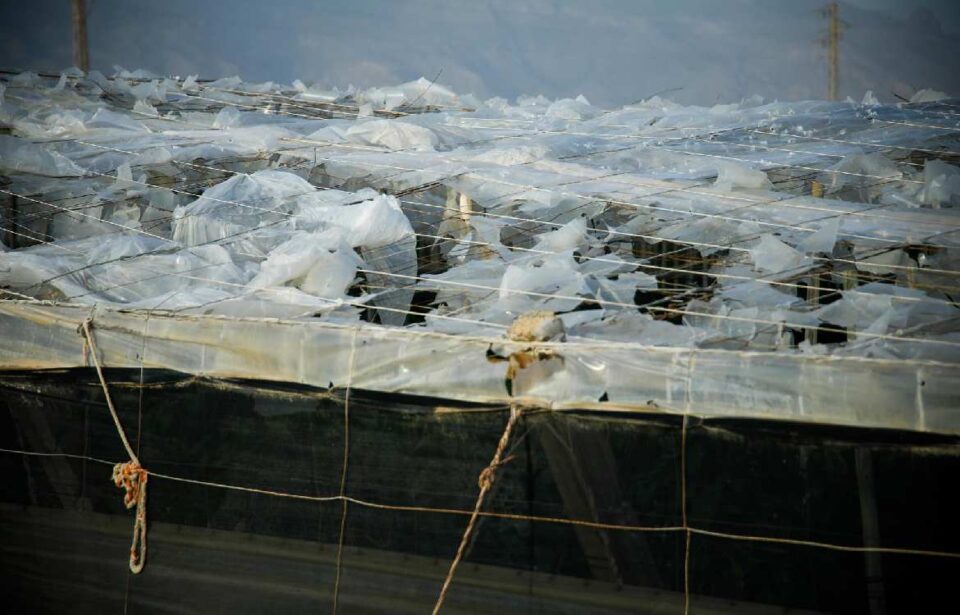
point(81, 54)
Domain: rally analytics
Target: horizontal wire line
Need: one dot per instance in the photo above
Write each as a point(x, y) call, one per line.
point(783, 201)
point(599, 301)
point(668, 310)
point(540, 295)
point(514, 516)
point(533, 187)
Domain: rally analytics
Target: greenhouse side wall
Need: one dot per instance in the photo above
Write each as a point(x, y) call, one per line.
point(590, 511)
point(916, 395)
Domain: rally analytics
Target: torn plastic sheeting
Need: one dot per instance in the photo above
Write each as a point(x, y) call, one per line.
point(257, 138)
point(395, 257)
point(742, 321)
point(144, 108)
point(55, 123)
point(497, 196)
point(570, 236)
point(642, 328)
point(486, 232)
point(927, 311)
point(613, 264)
point(860, 312)
point(227, 118)
point(875, 307)
point(121, 269)
point(822, 240)
point(312, 93)
point(859, 170)
point(321, 264)
point(263, 198)
point(884, 262)
point(377, 226)
point(274, 302)
point(771, 255)
point(149, 91)
point(106, 119)
point(143, 278)
point(578, 108)
point(385, 172)
point(510, 156)
point(556, 274)
point(421, 91)
point(623, 289)
point(21, 155)
point(331, 133)
point(190, 83)
point(706, 234)
point(25, 79)
point(387, 243)
point(732, 177)
point(486, 273)
point(941, 184)
point(393, 134)
point(124, 183)
point(757, 293)
point(374, 223)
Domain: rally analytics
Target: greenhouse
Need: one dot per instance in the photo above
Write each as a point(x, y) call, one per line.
point(399, 349)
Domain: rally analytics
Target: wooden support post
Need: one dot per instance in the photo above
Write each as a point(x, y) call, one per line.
point(813, 298)
point(81, 54)
point(466, 207)
point(816, 189)
point(832, 43)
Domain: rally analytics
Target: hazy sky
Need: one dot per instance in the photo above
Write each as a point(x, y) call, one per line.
point(612, 51)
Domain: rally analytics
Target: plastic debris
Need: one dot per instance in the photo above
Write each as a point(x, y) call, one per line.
point(21, 155)
point(941, 184)
point(771, 255)
point(397, 205)
point(733, 177)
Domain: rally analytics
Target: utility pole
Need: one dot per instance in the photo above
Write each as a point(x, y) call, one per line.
point(81, 56)
point(832, 12)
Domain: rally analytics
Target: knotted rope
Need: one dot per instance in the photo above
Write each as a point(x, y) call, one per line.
point(129, 476)
point(132, 479)
point(489, 473)
point(485, 481)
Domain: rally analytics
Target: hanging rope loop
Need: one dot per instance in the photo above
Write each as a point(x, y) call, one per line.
point(129, 476)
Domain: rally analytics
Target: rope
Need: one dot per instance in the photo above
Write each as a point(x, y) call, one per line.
point(343, 473)
point(129, 475)
point(133, 479)
point(485, 482)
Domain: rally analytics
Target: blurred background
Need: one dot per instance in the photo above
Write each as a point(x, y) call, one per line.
point(611, 51)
